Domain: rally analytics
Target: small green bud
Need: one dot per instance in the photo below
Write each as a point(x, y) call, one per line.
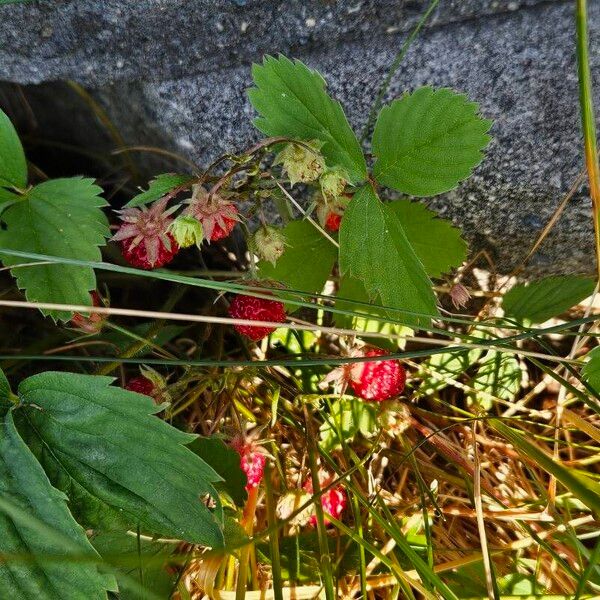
point(161, 393)
point(301, 163)
point(333, 183)
point(269, 242)
point(187, 231)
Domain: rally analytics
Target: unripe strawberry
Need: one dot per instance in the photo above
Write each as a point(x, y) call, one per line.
point(333, 183)
point(269, 242)
point(302, 162)
point(333, 501)
point(144, 235)
point(187, 231)
point(377, 381)
point(90, 322)
point(330, 213)
point(256, 309)
point(217, 215)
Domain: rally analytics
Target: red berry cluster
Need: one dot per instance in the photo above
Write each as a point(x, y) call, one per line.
point(145, 232)
point(333, 221)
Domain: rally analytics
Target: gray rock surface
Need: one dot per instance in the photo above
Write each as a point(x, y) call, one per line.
point(103, 41)
point(174, 73)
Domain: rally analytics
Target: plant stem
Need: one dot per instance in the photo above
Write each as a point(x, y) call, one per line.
point(362, 560)
point(248, 525)
point(587, 120)
point(273, 537)
point(313, 452)
point(392, 71)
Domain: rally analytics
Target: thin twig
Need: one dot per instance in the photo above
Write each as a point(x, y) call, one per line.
point(305, 215)
point(487, 563)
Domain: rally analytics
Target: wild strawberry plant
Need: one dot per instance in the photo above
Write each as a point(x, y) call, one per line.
point(323, 235)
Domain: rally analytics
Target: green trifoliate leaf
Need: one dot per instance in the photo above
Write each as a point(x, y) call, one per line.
point(307, 261)
point(292, 102)
point(436, 241)
point(428, 141)
point(63, 218)
point(13, 166)
point(119, 464)
point(375, 250)
point(159, 187)
point(541, 300)
point(51, 552)
point(498, 376)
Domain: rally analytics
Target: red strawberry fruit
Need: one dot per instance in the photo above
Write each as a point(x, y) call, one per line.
point(333, 221)
point(141, 385)
point(252, 459)
point(377, 381)
point(333, 501)
point(222, 231)
point(217, 215)
point(253, 464)
point(150, 383)
point(144, 235)
point(256, 309)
